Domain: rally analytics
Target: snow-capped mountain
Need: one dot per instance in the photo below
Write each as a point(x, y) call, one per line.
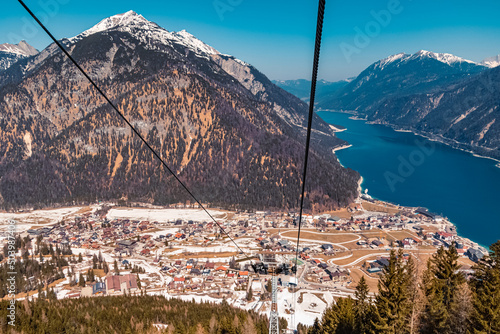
point(397, 75)
point(491, 61)
point(11, 53)
point(445, 58)
point(464, 114)
point(152, 35)
point(235, 138)
point(437, 94)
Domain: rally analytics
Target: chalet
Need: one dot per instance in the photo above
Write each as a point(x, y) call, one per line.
point(444, 236)
point(126, 243)
point(209, 265)
point(339, 276)
point(323, 265)
point(327, 246)
point(195, 271)
point(425, 212)
point(179, 280)
point(474, 254)
point(383, 262)
point(243, 274)
point(121, 284)
point(283, 242)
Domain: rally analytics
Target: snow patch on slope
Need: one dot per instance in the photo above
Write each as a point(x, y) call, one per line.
point(148, 33)
point(22, 49)
point(445, 58)
point(491, 61)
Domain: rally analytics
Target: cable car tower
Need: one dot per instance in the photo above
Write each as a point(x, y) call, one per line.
point(270, 265)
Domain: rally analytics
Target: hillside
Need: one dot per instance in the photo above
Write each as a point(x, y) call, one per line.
point(439, 95)
point(128, 314)
point(464, 115)
point(233, 137)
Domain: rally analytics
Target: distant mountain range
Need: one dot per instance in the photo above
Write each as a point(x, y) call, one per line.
point(11, 53)
point(234, 137)
point(302, 88)
point(438, 95)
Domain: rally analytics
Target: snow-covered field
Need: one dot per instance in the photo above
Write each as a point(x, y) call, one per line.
point(40, 218)
point(163, 215)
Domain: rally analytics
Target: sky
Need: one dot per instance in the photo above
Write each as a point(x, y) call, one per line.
point(277, 37)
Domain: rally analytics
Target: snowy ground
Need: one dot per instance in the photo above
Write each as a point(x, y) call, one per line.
point(39, 218)
point(163, 215)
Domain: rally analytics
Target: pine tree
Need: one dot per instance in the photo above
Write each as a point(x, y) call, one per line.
point(485, 286)
point(363, 309)
point(116, 269)
point(316, 328)
point(249, 293)
point(138, 282)
point(339, 318)
point(81, 280)
point(441, 286)
point(80, 258)
point(393, 303)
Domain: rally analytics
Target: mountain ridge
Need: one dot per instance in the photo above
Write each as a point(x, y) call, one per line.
point(232, 136)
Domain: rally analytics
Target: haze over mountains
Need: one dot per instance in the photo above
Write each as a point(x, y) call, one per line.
point(235, 138)
point(439, 95)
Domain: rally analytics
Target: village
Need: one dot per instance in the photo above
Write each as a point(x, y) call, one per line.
point(178, 252)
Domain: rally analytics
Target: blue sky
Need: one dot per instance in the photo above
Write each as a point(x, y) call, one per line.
point(277, 36)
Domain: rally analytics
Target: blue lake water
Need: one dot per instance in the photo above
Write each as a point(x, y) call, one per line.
point(406, 169)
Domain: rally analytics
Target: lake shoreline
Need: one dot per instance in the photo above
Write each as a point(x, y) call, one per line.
point(391, 200)
point(432, 137)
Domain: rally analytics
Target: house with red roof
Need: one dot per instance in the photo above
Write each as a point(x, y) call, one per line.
point(116, 284)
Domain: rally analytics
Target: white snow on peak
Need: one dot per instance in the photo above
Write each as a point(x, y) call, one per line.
point(22, 49)
point(446, 58)
point(189, 40)
point(491, 61)
point(149, 33)
point(125, 19)
point(391, 59)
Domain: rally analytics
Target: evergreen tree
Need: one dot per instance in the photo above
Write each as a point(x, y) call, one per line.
point(485, 285)
point(81, 280)
point(393, 302)
point(339, 318)
point(249, 293)
point(316, 328)
point(441, 287)
point(138, 281)
point(116, 269)
point(363, 309)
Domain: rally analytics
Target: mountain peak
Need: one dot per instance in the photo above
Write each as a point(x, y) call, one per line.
point(129, 18)
point(148, 32)
point(446, 58)
point(491, 61)
point(22, 48)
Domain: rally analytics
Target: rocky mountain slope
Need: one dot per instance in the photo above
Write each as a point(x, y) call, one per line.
point(438, 95)
point(465, 115)
point(234, 137)
point(399, 75)
point(11, 53)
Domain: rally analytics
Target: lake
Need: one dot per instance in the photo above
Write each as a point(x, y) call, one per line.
point(407, 169)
